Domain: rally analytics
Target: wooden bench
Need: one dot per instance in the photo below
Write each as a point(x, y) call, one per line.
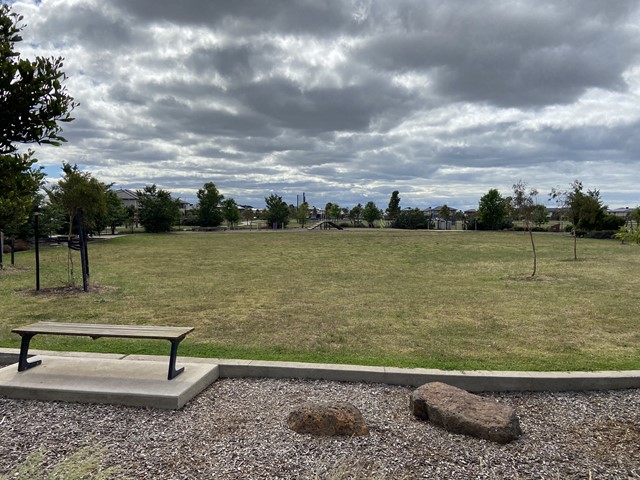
point(174, 334)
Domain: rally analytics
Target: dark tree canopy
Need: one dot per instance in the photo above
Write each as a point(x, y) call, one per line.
point(371, 213)
point(158, 210)
point(492, 211)
point(393, 210)
point(209, 214)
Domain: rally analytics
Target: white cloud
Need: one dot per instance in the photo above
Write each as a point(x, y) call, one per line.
point(350, 100)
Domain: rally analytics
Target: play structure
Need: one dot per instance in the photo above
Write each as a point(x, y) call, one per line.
point(325, 225)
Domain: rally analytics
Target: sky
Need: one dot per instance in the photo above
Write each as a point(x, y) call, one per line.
point(349, 100)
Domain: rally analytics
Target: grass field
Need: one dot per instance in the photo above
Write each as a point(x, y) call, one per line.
point(456, 300)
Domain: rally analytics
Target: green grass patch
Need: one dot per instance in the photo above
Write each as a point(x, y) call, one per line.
point(455, 300)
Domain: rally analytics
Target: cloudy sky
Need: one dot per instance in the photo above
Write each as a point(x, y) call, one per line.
point(348, 100)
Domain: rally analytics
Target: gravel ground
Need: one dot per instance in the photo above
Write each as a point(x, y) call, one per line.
point(237, 429)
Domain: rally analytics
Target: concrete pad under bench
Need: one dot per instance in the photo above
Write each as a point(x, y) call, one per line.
point(105, 380)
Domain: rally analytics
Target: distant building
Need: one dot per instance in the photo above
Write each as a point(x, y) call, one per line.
point(129, 198)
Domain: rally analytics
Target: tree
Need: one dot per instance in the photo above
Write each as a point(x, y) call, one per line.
point(410, 219)
point(116, 213)
point(524, 205)
point(230, 212)
point(635, 215)
point(158, 210)
point(356, 214)
point(371, 213)
point(19, 184)
point(78, 189)
point(277, 211)
point(335, 211)
point(492, 211)
point(583, 210)
point(32, 102)
point(209, 214)
point(445, 213)
point(32, 97)
point(540, 215)
point(393, 210)
point(302, 215)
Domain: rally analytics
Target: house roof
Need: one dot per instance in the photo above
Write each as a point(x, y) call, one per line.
point(125, 194)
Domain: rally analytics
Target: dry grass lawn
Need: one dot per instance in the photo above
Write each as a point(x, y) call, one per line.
point(383, 297)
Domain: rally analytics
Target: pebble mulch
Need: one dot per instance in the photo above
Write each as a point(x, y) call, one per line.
point(237, 429)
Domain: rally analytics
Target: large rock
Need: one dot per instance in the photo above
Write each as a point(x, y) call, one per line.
point(459, 411)
point(339, 418)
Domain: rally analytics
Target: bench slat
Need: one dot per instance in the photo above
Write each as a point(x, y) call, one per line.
point(101, 330)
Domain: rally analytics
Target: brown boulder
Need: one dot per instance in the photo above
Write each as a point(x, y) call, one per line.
point(20, 245)
point(330, 419)
point(459, 411)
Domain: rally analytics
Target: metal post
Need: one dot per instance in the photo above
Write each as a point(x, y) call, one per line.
point(83, 250)
point(36, 217)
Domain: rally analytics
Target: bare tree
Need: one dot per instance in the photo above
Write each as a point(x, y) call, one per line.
point(524, 205)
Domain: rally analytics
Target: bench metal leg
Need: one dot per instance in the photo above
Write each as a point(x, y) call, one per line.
point(23, 364)
point(173, 373)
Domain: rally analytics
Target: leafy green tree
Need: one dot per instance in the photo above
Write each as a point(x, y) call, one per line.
point(371, 213)
point(492, 211)
point(445, 213)
point(277, 211)
point(32, 102)
point(584, 210)
point(540, 215)
point(116, 213)
point(355, 214)
point(33, 99)
point(158, 210)
point(635, 216)
point(335, 211)
point(209, 214)
point(410, 219)
point(393, 210)
point(302, 215)
point(248, 215)
point(78, 189)
point(523, 204)
point(230, 212)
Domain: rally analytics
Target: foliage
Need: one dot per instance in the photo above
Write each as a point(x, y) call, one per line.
point(19, 184)
point(78, 189)
point(371, 213)
point(355, 214)
point(540, 215)
point(335, 211)
point(230, 212)
point(32, 103)
point(635, 216)
point(32, 97)
point(393, 210)
point(277, 211)
point(248, 215)
point(524, 207)
point(492, 211)
point(411, 219)
point(158, 210)
point(629, 234)
point(445, 212)
point(209, 214)
point(302, 215)
point(116, 213)
point(584, 210)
